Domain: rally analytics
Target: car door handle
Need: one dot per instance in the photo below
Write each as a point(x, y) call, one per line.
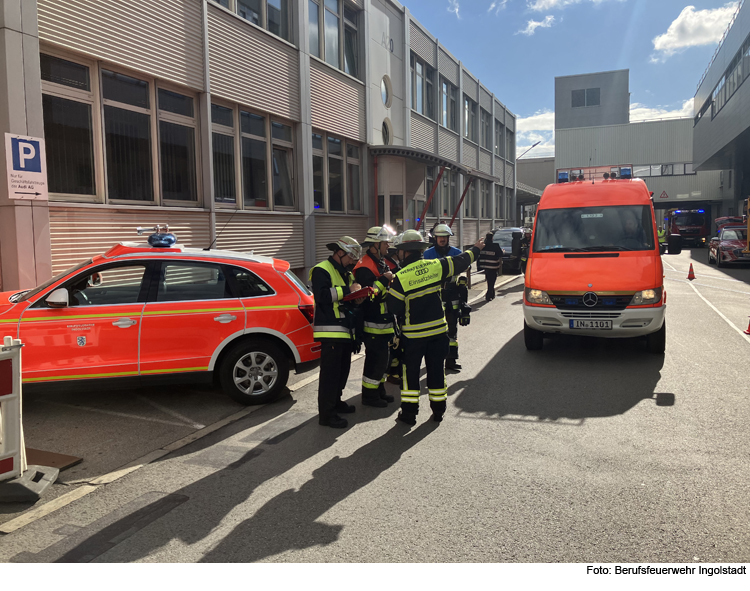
point(225, 318)
point(124, 322)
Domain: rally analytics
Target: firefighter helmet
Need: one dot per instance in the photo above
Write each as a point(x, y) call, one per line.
point(378, 234)
point(349, 245)
point(442, 230)
point(412, 240)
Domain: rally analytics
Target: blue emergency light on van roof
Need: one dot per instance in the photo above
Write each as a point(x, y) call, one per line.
point(701, 211)
point(562, 177)
point(626, 172)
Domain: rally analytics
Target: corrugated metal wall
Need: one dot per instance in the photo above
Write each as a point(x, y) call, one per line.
point(470, 87)
point(163, 39)
point(329, 228)
point(338, 103)
point(509, 175)
point(274, 235)
point(485, 100)
point(484, 227)
point(654, 142)
point(510, 122)
point(448, 144)
point(78, 233)
point(421, 44)
point(499, 173)
point(470, 233)
point(485, 161)
point(422, 133)
point(470, 154)
point(448, 67)
point(251, 67)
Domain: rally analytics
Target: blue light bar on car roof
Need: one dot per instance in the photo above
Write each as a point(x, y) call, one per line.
point(626, 172)
point(701, 211)
point(562, 177)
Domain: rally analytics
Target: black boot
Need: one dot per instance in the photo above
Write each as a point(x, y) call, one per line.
point(437, 417)
point(407, 418)
point(384, 395)
point(452, 364)
point(375, 400)
point(344, 408)
point(334, 421)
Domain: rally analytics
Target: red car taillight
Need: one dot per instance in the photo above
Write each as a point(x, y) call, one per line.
point(308, 312)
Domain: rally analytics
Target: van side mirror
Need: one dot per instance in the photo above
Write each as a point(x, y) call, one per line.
point(58, 298)
point(516, 244)
point(674, 244)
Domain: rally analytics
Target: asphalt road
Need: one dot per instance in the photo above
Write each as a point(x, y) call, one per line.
point(588, 451)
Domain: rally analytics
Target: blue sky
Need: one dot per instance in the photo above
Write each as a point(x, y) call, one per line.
point(517, 47)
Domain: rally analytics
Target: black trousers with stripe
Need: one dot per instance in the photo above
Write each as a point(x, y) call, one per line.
point(451, 317)
point(433, 350)
point(491, 276)
point(377, 358)
point(335, 363)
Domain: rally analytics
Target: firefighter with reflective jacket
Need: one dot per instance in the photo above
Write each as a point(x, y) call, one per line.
point(334, 326)
point(455, 294)
point(415, 295)
point(491, 262)
point(378, 329)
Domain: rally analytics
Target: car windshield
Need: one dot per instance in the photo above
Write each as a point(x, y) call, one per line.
point(30, 293)
point(503, 238)
point(594, 229)
point(689, 219)
point(735, 234)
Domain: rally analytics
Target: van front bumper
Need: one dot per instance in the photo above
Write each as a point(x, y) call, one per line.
point(630, 322)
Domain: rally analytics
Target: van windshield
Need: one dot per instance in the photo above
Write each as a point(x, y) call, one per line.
point(594, 229)
point(689, 219)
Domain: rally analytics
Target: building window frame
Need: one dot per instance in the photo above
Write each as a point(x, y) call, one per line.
point(588, 98)
point(233, 6)
point(510, 145)
point(351, 156)
point(470, 119)
point(348, 22)
point(422, 87)
point(485, 118)
point(448, 105)
point(499, 139)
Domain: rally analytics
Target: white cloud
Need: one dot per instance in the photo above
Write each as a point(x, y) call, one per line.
point(532, 26)
point(497, 6)
point(545, 5)
point(693, 28)
point(539, 127)
point(453, 7)
point(640, 112)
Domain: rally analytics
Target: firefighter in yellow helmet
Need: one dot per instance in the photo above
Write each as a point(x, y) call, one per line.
point(333, 327)
point(415, 296)
point(378, 325)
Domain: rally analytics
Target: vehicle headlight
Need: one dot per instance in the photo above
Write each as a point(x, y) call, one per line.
point(647, 296)
point(537, 296)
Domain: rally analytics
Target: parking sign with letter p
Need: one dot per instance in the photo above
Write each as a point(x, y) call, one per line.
point(26, 167)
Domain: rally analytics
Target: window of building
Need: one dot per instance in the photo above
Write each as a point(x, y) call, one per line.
point(313, 21)
point(337, 179)
point(510, 142)
point(656, 170)
point(386, 91)
point(351, 47)
point(334, 34)
point(486, 121)
point(386, 132)
point(332, 30)
point(428, 185)
point(666, 170)
point(499, 202)
point(422, 87)
point(272, 15)
point(499, 139)
point(486, 200)
point(586, 97)
point(115, 137)
point(470, 201)
point(254, 159)
point(470, 119)
point(448, 105)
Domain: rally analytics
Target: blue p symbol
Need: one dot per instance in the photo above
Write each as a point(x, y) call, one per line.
point(26, 155)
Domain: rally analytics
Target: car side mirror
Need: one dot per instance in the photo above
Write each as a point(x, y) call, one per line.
point(674, 244)
point(95, 279)
point(58, 298)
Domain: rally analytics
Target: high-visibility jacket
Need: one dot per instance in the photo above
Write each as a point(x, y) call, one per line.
point(330, 284)
point(662, 236)
point(451, 293)
point(490, 258)
point(392, 265)
point(415, 293)
point(369, 273)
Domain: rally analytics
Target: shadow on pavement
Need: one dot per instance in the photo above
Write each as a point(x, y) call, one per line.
point(571, 378)
point(738, 271)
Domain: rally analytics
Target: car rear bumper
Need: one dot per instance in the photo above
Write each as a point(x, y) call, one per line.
point(631, 322)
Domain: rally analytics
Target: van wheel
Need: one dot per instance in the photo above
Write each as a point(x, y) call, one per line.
point(656, 342)
point(533, 339)
point(254, 372)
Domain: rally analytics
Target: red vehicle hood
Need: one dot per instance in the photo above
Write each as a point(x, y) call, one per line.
point(628, 272)
point(734, 244)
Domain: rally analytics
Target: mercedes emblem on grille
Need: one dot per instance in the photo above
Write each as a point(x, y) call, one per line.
point(590, 299)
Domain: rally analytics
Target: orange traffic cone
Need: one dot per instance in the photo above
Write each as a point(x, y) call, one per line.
point(747, 332)
point(691, 275)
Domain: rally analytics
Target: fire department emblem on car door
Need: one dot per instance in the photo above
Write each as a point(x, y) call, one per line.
point(81, 341)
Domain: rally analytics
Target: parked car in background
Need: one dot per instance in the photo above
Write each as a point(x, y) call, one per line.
point(727, 247)
point(141, 312)
point(504, 238)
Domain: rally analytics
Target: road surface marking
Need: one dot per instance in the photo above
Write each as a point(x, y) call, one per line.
point(174, 413)
point(747, 293)
point(715, 309)
point(46, 509)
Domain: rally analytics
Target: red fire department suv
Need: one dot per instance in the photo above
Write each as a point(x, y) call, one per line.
point(140, 311)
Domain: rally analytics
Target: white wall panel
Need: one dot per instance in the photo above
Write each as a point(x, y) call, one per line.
point(448, 144)
point(275, 235)
point(338, 102)
point(421, 44)
point(329, 228)
point(422, 133)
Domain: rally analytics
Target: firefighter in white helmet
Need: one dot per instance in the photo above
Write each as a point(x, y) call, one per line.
point(452, 294)
point(333, 327)
point(378, 325)
point(415, 295)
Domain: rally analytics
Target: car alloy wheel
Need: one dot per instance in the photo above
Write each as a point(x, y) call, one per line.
point(255, 373)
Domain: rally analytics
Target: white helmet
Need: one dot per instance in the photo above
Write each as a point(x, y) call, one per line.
point(442, 230)
point(378, 234)
point(349, 245)
point(412, 240)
